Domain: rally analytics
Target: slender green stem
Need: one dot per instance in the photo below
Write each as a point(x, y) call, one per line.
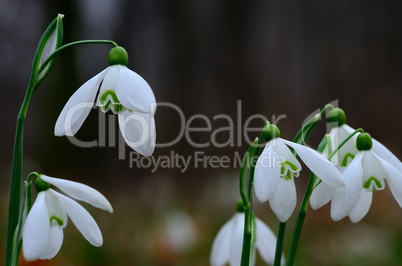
point(279, 244)
point(305, 131)
point(16, 170)
point(300, 220)
point(61, 48)
point(302, 211)
point(248, 163)
point(25, 208)
point(343, 143)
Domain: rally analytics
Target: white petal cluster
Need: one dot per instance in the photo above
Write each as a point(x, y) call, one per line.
point(124, 92)
point(363, 171)
point(43, 230)
point(228, 243)
point(277, 166)
point(366, 172)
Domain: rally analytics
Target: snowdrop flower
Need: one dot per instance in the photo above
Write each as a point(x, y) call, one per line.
point(323, 193)
point(339, 132)
point(122, 91)
point(228, 243)
point(43, 230)
point(366, 172)
point(277, 166)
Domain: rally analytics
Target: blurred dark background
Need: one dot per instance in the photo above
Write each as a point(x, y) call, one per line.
point(275, 57)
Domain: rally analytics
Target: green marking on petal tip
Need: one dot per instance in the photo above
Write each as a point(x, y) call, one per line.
point(105, 96)
point(377, 183)
point(345, 159)
point(108, 100)
point(57, 219)
point(286, 173)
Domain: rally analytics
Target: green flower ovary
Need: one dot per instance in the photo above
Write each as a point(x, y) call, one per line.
point(57, 219)
point(288, 169)
point(109, 100)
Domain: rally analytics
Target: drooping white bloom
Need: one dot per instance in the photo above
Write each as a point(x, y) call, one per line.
point(366, 172)
point(43, 229)
point(347, 152)
point(228, 243)
point(277, 166)
point(124, 92)
point(323, 192)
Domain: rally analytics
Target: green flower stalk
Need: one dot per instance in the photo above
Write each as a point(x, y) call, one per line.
point(45, 56)
point(50, 41)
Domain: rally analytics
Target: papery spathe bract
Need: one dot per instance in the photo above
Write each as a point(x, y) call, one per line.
point(43, 229)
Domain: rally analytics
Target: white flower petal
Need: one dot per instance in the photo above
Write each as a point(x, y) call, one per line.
point(221, 246)
point(318, 164)
point(267, 174)
point(134, 92)
point(283, 201)
point(237, 239)
point(78, 107)
point(345, 155)
point(110, 79)
point(346, 198)
point(138, 130)
point(265, 241)
point(372, 172)
point(362, 207)
point(394, 178)
point(58, 217)
point(386, 154)
point(80, 191)
point(286, 155)
point(36, 232)
point(82, 220)
point(321, 195)
point(55, 242)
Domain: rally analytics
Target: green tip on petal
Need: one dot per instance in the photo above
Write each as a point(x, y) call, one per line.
point(271, 132)
point(240, 206)
point(336, 117)
point(364, 142)
point(41, 185)
point(118, 56)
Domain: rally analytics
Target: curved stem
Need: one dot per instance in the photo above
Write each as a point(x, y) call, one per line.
point(305, 131)
point(16, 171)
point(359, 130)
point(61, 48)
